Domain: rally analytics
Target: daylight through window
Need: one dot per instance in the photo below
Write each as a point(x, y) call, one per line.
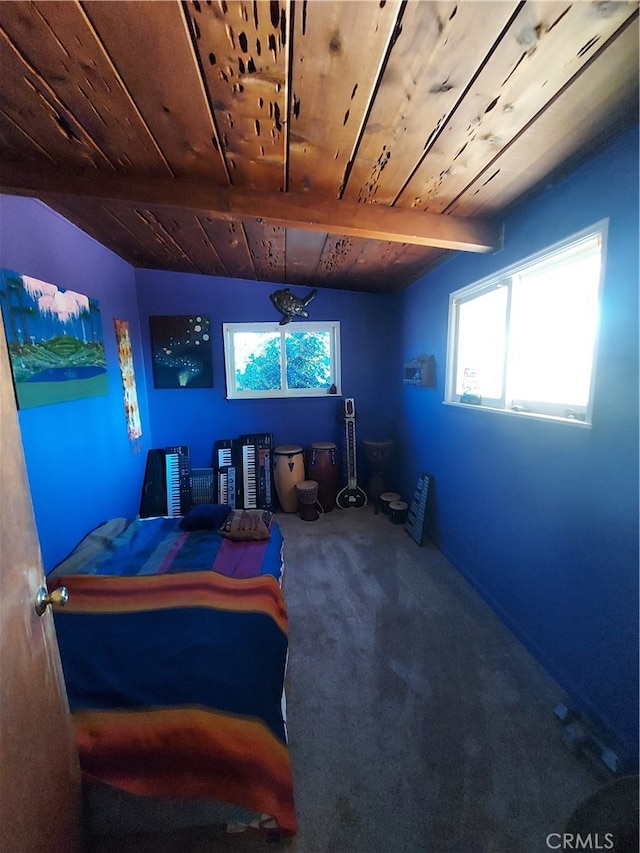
point(524, 341)
point(270, 360)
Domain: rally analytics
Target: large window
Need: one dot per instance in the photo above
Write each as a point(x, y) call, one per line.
point(270, 360)
point(524, 341)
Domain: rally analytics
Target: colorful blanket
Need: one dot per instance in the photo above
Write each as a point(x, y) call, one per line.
point(175, 686)
point(159, 546)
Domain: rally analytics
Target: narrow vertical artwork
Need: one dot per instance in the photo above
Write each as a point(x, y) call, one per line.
point(125, 357)
point(55, 341)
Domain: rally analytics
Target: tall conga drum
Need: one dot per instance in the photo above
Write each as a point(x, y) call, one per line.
point(288, 471)
point(322, 466)
point(378, 455)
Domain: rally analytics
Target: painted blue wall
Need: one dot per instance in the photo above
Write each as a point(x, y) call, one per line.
point(542, 517)
point(80, 462)
point(198, 417)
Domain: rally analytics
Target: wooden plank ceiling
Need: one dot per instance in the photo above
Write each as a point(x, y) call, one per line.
point(331, 144)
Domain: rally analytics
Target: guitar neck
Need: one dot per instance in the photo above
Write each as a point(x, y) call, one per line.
point(350, 429)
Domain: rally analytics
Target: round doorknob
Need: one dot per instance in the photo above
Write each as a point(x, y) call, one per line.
point(57, 598)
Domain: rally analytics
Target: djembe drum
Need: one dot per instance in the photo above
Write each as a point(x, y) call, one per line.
point(378, 455)
point(288, 471)
point(307, 492)
point(322, 467)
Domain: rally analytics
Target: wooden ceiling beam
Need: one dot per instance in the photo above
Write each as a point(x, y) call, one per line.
point(294, 210)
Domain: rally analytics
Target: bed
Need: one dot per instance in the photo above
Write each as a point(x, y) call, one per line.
point(174, 647)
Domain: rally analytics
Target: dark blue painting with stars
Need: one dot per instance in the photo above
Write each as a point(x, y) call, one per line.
point(181, 349)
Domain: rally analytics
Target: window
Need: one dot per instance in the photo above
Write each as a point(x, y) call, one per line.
point(270, 360)
point(524, 340)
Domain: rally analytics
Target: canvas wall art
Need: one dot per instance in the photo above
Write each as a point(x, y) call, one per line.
point(129, 390)
point(181, 348)
point(55, 341)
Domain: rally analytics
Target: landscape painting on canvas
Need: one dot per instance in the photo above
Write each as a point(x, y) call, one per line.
point(55, 341)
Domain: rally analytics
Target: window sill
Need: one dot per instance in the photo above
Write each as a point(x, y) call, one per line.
point(530, 415)
point(285, 395)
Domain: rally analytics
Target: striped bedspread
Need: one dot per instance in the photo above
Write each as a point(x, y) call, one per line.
point(175, 685)
point(159, 546)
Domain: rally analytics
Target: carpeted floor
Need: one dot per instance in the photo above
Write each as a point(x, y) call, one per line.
point(417, 722)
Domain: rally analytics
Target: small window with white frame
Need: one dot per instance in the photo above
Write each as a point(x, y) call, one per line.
point(524, 341)
point(272, 360)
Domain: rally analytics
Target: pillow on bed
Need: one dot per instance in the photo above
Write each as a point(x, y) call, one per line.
point(247, 524)
point(205, 517)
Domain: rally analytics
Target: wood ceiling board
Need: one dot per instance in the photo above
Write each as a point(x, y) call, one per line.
point(18, 146)
point(185, 229)
point(56, 45)
point(546, 45)
point(359, 264)
point(230, 242)
point(31, 106)
point(361, 280)
point(103, 225)
point(303, 253)
point(163, 236)
point(332, 83)
point(605, 92)
point(299, 210)
point(433, 59)
point(142, 223)
point(370, 262)
point(339, 254)
point(243, 51)
point(409, 264)
point(417, 261)
point(149, 45)
point(267, 247)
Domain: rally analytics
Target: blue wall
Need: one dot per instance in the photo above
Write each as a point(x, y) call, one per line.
point(542, 517)
point(80, 462)
point(198, 417)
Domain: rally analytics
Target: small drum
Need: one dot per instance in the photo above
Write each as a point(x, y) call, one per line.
point(386, 498)
point(288, 471)
point(398, 511)
point(323, 468)
point(307, 492)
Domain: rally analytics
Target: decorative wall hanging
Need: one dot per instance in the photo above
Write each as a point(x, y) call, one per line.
point(420, 371)
point(55, 341)
point(290, 305)
point(181, 348)
point(130, 394)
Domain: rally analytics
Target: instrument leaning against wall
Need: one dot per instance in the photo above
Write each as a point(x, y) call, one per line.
point(351, 496)
point(243, 469)
point(166, 489)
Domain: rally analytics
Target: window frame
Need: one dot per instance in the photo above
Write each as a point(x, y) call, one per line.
point(580, 416)
point(332, 327)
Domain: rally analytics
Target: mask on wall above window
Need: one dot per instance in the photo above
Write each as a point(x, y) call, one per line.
point(289, 305)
